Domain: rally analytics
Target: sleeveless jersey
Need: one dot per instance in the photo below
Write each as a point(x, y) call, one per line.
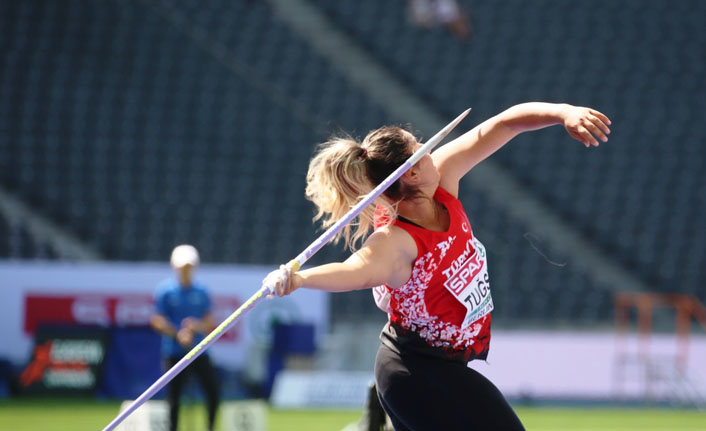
point(444, 308)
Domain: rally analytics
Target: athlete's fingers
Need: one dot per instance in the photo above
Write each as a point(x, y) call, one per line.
point(604, 118)
point(587, 138)
point(600, 124)
point(285, 277)
point(596, 131)
point(273, 282)
point(576, 135)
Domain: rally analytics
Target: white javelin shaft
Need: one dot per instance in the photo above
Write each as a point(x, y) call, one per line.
point(294, 264)
point(368, 199)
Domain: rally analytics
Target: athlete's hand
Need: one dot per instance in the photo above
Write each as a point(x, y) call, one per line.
point(280, 281)
point(586, 125)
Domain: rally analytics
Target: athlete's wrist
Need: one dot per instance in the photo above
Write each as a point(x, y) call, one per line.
point(297, 281)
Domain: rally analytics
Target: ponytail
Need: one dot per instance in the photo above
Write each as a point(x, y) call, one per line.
point(336, 181)
point(343, 171)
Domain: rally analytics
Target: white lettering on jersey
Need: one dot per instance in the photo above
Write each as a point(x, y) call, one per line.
point(444, 246)
point(467, 280)
point(459, 261)
point(382, 298)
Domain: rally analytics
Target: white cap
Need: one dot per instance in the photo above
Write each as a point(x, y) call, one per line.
point(185, 255)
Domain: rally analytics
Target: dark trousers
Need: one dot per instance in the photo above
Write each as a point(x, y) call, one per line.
point(422, 393)
point(206, 375)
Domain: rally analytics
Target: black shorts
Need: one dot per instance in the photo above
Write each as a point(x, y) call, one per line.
point(422, 393)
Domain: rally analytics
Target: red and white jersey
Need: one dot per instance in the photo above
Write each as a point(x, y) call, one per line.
point(446, 303)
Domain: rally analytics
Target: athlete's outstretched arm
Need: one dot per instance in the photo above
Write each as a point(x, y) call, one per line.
point(385, 258)
point(459, 156)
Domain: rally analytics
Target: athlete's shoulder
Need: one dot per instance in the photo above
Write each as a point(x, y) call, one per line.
point(444, 195)
point(391, 231)
point(393, 238)
point(447, 188)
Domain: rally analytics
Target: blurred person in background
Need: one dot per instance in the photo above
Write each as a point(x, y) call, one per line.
point(427, 269)
point(431, 13)
point(183, 317)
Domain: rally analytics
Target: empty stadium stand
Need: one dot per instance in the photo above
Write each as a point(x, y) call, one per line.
point(138, 125)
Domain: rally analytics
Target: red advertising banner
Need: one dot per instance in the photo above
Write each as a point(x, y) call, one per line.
point(119, 295)
point(107, 310)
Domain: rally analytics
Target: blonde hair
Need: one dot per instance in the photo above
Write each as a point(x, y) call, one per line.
point(343, 171)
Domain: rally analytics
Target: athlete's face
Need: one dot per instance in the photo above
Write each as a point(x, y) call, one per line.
point(428, 174)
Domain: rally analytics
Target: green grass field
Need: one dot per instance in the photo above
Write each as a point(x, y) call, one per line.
point(91, 415)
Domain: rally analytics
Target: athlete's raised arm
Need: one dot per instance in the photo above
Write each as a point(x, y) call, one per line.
point(458, 157)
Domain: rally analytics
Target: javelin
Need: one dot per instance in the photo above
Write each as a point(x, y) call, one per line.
point(294, 265)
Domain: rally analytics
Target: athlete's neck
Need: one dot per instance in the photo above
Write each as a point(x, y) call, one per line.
point(426, 212)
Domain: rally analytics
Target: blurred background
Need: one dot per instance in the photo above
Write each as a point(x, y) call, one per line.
point(129, 127)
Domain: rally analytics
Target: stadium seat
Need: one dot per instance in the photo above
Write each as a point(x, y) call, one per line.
point(136, 133)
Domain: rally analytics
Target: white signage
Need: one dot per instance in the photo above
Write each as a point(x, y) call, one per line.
point(121, 294)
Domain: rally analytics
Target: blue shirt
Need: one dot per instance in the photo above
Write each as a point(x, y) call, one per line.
point(177, 303)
